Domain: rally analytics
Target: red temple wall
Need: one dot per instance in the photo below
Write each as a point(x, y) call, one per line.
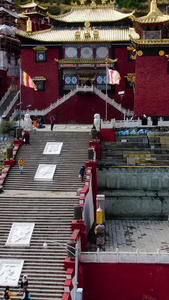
point(151, 86)
point(125, 281)
point(124, 66)
point(82, 107)
point(49, 70)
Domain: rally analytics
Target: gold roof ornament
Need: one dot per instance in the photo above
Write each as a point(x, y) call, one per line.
point(82, 2)
point(87, 28)
point(93, 4)
point(29, 26)
point(104, 2)
point(77, 34)
point(154, 15)
point(95, 33)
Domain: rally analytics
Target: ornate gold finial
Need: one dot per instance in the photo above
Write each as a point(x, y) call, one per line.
point(153, 5)
point(112, 3)
point(87, 27)
point(104, 2)
point(29, 26)
point(95, 33)
point(87, 24)
point(93, 4)
point(77, 34)
point(82, 2)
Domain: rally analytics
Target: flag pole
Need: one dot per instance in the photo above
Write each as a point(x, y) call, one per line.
point(106, 92)
point(20, 97)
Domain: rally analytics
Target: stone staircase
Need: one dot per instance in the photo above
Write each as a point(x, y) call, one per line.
point(52, 215)
point(72, 157)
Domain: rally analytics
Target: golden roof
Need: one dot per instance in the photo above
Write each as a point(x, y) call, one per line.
point(84, 61)
point(151, 41)
point(68, 35)
point(154, 15)
point(101, 13)
point(32, 5)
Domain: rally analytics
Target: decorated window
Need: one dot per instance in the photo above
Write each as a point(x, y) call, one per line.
point(71, 79)
point(152, 34)
point(86, 52)
point(41, 56)
point(102, 52)
point(71, 52)
point(70, 82)
point(40, 82)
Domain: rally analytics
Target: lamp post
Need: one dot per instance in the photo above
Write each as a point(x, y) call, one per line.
point(65, 246)
point(19, 104)
point(121, 94)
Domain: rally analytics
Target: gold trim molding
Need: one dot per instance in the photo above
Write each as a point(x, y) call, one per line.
point(86, 61)
point(40, 48)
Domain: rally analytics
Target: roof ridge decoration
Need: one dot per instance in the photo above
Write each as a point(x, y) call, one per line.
point(86, 32)
point(93, 3)
point(154, 15)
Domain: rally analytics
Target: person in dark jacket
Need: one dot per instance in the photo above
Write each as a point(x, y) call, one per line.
point(24, 281)
point(26, 294)
point(26, 138)
point(82, 172)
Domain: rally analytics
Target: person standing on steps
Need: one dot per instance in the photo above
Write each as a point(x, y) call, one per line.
point(21, 164)
point(82, 172)
point(52, 121)
point(8, 294)
point(24, 281)
point(26, 294)
point(26, 138)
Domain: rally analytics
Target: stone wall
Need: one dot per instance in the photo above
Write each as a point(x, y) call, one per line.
point(136, 192)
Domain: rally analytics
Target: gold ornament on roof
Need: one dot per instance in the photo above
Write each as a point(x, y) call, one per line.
point(93, 4)
point(87, 25)
point(77, 34)
point(95, 33)
point(82, 2)
point(104, 2)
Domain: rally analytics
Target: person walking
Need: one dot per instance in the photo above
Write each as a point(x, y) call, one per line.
point(26, 138)
point(8, 294)
point(82, 172)
point(52, 121)
point(24, 281)
point(21, 164)
point(26, 294)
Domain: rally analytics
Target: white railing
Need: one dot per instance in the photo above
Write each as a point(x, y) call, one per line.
point(136, 257)
point(12, 103)
point(85, 88)
point(132, 123)
point(47, 110)
point(113, 103)
point(6, 95)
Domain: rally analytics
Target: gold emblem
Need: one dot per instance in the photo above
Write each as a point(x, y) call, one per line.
point(161, 52)
point(140, 53)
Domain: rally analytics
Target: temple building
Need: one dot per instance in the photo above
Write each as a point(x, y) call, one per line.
point(36, 13)
point(152, 64)
point(69, 61)
point(9, 45)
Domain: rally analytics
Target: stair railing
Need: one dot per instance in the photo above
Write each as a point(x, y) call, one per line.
point(12, 103)
point(112, 102)
point(52, 106)
point(6, 95)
